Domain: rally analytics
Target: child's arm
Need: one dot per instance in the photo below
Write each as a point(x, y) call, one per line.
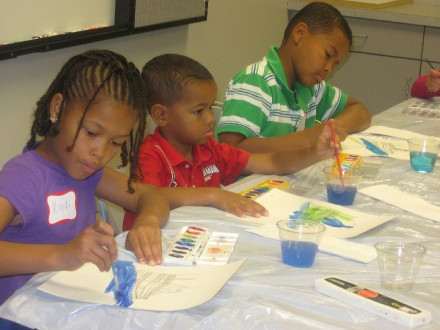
point(290, 161)
point(147, 230)
point(95, 244)
point(222, 199)
point(144, 239)
point(299, 140)
point(353, 118)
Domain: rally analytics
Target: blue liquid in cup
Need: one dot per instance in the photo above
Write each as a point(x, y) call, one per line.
point(298, 254)
point(422, 161)
point(340, 195)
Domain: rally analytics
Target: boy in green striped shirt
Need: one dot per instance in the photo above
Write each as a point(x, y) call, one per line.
point(284, 98)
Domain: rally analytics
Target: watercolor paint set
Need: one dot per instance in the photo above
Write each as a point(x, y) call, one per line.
point(369, 168)
point(373, 301)
point(264, 187)
point(199, 246)
point(348, 163)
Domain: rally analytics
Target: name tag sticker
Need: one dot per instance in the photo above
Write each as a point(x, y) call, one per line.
point(62, 207)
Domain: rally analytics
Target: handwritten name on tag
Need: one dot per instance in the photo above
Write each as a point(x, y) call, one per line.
point(62, 207)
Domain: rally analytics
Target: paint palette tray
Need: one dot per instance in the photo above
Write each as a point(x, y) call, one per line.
point(199, 246)
point(423, 108)
point(264, 187)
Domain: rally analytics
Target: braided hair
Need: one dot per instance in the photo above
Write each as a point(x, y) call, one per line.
point(80, 80)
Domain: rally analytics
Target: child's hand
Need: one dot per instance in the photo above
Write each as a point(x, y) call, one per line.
point(328, 145)
point(238, 205)
point(145, 241)
point(433, 81)
point(95, 244)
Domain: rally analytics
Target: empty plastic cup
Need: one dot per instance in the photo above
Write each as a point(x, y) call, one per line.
point(399, 264)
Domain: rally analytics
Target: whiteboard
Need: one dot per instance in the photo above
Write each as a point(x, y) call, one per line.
point(20, 20)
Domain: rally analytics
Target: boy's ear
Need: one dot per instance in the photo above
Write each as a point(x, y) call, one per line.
point(299, 31)
point(159, 113)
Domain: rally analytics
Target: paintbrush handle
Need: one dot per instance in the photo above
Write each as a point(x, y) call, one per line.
point(338, 161)
point(332, 132)
point(430, 64)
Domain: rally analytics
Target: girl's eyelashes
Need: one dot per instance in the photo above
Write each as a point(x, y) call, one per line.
point(114, 143)
point(89, 132)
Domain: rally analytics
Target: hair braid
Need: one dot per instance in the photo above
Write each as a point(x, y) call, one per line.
point(81, 79)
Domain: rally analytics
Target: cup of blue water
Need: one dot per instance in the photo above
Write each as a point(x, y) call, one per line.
point(423, 154)
point(341, 190)
point(299, 241)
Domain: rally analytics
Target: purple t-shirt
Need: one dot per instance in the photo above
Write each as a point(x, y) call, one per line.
point(53, 208)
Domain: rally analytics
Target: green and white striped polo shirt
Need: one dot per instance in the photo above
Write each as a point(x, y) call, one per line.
point(259, 103)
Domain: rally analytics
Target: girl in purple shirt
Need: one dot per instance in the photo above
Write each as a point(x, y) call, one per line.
point(47, 194)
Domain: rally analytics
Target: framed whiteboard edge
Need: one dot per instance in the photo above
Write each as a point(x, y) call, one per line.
point(124, 26)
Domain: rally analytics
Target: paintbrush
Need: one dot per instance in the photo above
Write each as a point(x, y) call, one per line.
point(430, 64)
point(338, 161)
point(115, 275)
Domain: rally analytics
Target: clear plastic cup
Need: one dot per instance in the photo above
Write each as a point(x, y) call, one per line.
point(299, 241)
point(423, 154)
point(341, 190)
point(399, 264)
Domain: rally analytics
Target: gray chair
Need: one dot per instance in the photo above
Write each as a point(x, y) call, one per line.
point(217, 111)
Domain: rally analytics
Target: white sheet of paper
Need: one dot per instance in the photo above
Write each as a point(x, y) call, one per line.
point(157, 288)
point(397, 149)
point(391, 140)
point(403, 200)
point(340, 247)
point(393, 132)
point(281, 204)
point(350, 250)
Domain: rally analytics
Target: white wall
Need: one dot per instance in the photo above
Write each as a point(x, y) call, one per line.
point(237, 33)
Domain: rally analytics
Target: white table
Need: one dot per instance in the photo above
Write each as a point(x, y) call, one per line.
point(265, 293)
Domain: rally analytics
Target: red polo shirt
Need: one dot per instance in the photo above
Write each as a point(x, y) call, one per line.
point(214, 164)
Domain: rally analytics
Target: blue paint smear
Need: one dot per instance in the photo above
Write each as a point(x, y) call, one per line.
point(127, 278)
point(298, 214)
point(373, 148)
point(335, 222)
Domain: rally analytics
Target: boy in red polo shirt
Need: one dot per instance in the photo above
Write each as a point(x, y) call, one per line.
point(182, 151)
